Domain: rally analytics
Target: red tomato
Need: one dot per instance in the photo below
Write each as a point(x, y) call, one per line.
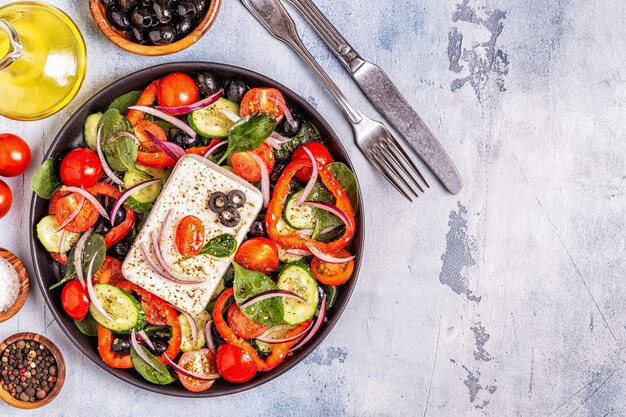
point(242, 325)
point(14, 155)
point(110, 272)
point(81, 168)
point(87, 217)
point(320, 153)
point(75, 300)
point(189, 236)
point(234, 363)
point(258, 254)
point(333, 274)
point(177, 90)
point(149, 153)
point(201, 362)
point(256, 100)
point(247, 167)
point(6, 199)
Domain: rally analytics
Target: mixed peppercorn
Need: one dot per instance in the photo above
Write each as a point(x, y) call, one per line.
point(29, 370)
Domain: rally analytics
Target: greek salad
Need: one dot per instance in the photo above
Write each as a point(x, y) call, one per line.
point(202, 228)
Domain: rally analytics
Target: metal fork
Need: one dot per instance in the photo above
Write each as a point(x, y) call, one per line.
point(372, 137)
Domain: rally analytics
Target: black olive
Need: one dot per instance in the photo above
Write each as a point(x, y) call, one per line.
point(186, 10)
point(183, 27)
point(184, 140)
point(207, 83)
point(236, 198)
point(102, 226)
point(107, 3)
point(258, 228)
point(235, 90)
point(121, 344)
point(120, 216)
point(218, 202)
point(229, 217)
point(117, 18)
point(290, 129)
point(201, 5)
point(163, 11)
point(162, 35)
point(137, 35)
point(275, 174)
point(126, 5)
point(119, 250)
point(159, 347)
point(143, 17)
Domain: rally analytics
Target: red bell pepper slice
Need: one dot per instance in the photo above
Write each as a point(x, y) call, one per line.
point(146, 99)
point(118, 232)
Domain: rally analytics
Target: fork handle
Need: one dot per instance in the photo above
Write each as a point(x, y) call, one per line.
point(277, 21)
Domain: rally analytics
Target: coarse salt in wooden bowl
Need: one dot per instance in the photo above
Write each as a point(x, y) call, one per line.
point(22, 276)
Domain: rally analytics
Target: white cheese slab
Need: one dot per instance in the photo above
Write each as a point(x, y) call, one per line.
point(187, 192)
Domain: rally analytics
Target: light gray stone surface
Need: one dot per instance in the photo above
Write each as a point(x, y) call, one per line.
point(506, 300)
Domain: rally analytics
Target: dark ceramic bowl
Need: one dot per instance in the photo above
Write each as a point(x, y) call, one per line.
point(48, 271)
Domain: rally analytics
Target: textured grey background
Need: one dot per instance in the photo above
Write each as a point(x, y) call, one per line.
point(506, 300)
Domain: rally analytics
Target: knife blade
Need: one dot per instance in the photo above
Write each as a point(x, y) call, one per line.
point(385, 96)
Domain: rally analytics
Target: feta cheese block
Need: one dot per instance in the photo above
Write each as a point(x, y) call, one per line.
point(187, 192)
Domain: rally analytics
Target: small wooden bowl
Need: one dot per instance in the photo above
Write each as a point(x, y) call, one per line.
point(24, 284)
point(120, 39)
point(60, 362)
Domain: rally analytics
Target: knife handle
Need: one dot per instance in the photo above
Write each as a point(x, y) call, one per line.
point(329, 34)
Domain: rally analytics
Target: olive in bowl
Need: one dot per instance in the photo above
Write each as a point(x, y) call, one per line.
point(154, 27)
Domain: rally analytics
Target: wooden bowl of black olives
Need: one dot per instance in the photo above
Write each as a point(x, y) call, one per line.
point(154, 27)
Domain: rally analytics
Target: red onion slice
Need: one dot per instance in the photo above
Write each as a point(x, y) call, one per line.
point(171, 119)
point(140, 352)
point(279, 138)
point(103, 161)
point(284, 108)
point(232, 116)
point(192, 326)
point(190, 374)
point(316, 326)
point(312, 180)
point(146, 339)
point(170, 274)
point(121, 134)
point(171, 152)
point(92, 293)
point(327, 258)
point(328, 229)
point(62, 241)
point(90, 197)
point(271, 294)
point(306, 232)
point(213, 148)
point(208, 335)
point(71, 217)
point(264, 337)
point(198, 105)
point(265, 178)
point(78, 257)
point(299, 252)
point(273, 143)
point(331, 209)
point(120, 200)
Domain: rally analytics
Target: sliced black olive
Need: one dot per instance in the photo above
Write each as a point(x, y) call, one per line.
point(218, 202)
point(186, 10)
point(126, 5)
point(290, 129)
point(108, 3)
point(163, 11)
point(183, 27)
point(162, 35)
point(119, 250)
point(236, 198)
point(184, 140)
point(235, 90)
point(117, 18)
point(207, 83)
point(143, 17)
point(230, 217)
point(258, 228)
point(121, 344)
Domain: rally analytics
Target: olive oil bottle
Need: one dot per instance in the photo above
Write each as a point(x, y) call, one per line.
point(42, 60)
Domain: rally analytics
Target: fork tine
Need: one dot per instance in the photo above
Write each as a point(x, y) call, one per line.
point(387, 148)
point(397, 173)
point(393, 142)
point(373, 159)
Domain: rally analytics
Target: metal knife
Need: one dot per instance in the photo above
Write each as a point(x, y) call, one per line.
point(382, 92)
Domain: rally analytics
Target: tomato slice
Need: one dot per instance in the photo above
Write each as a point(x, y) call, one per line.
point(201, 362)
point(143, 126)
point(247, 167)
point(235, 364)
point(244, 326)
point(189, 236)
point(59, 257)
point(258, 254)
point(86, 218)
point(75, 300)
point(330, 273)
point(110, 272)
point(257, 100)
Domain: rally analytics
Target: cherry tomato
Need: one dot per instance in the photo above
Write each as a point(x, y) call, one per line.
point(6, 199)
point(75, 300)
point(177, 90)
point(189, 236)
point(333, 274)
point(87, 216)
point(235, 364)
point(247, 167)
point(81, 168)
point(201, 362)
point(14, 155)
point(320, 153)
point(110, 272)
point(256, 100)
point(258, 254)
point(242, 325)
point(143, 126)
point(149, 153)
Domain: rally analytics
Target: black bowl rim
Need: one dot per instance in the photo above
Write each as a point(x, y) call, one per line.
point(317, 120)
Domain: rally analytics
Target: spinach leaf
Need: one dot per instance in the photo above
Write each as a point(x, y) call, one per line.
point(248, 283)
point(94, 248)
point(249, 133)
point(45, 181)
point(152, 330)
point(121, 154)
point(88, 325)
point(159, 376)
point(307, 133)
point(122, 103)
point(112, 122)
point(347, 180)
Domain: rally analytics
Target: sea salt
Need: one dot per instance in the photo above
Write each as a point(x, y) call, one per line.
point(9, 285)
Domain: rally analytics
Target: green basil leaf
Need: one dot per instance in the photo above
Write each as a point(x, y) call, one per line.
point(122, 103)
point(220, 246)
point(88, 325)
point(346, 178)
point(45, 181)
point(249, 283)
point(249, 133)
point(94, 248)
point(159, 376)
point(307, 133)
point(121, 153)
point(112, 122)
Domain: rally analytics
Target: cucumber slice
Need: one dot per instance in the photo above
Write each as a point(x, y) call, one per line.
point(298, 278)
point(302, 217)
point(90, 129)
point(201, 320)
point(210, 121)
point(125, 310)
point(142, 200)
point(266, 348)
point(287, 258)
point(283, 228)
point(51, 239)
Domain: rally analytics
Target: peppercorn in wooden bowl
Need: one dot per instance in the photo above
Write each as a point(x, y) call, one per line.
point(32, 360)
point(22, 276)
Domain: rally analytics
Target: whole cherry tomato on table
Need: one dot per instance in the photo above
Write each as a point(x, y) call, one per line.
point(75, 300)
point(262, 100)
point(320, 153)
point(258, 254)
point(247, 167)
point(234, 363)
point(189, 236)
point(14, 155)
point(6, 199)
point(81, 168)
point(201, 362)
point(177, 90)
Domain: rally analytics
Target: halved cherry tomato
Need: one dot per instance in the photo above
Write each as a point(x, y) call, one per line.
point(258, 254)
point(247, 168)
point(256, 100)
point(59, 257)
point(242, 325)
point(75, 300)
point(87, 216)
point(320, 153)
point(14, 155)
point(189, 235)
point(146, 99)
point(6, 198)
point(149, 153)
point(177, 90)
point(333, 274)
point(201, 362)
point(110, 272)
point(234, 363)
point(81, 168)
point(118, 232)
point(144, 125)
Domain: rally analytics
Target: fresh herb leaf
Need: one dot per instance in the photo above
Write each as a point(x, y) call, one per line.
point(220, 246)
point(94, 248)
point(112, 122)
point(88, 325)
point(249, 133)
point(159, 376)
point(121, 154)
point(249, 283)
point(346, 178)
point(122, 103)
point(45, 181)
point(307, 133)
